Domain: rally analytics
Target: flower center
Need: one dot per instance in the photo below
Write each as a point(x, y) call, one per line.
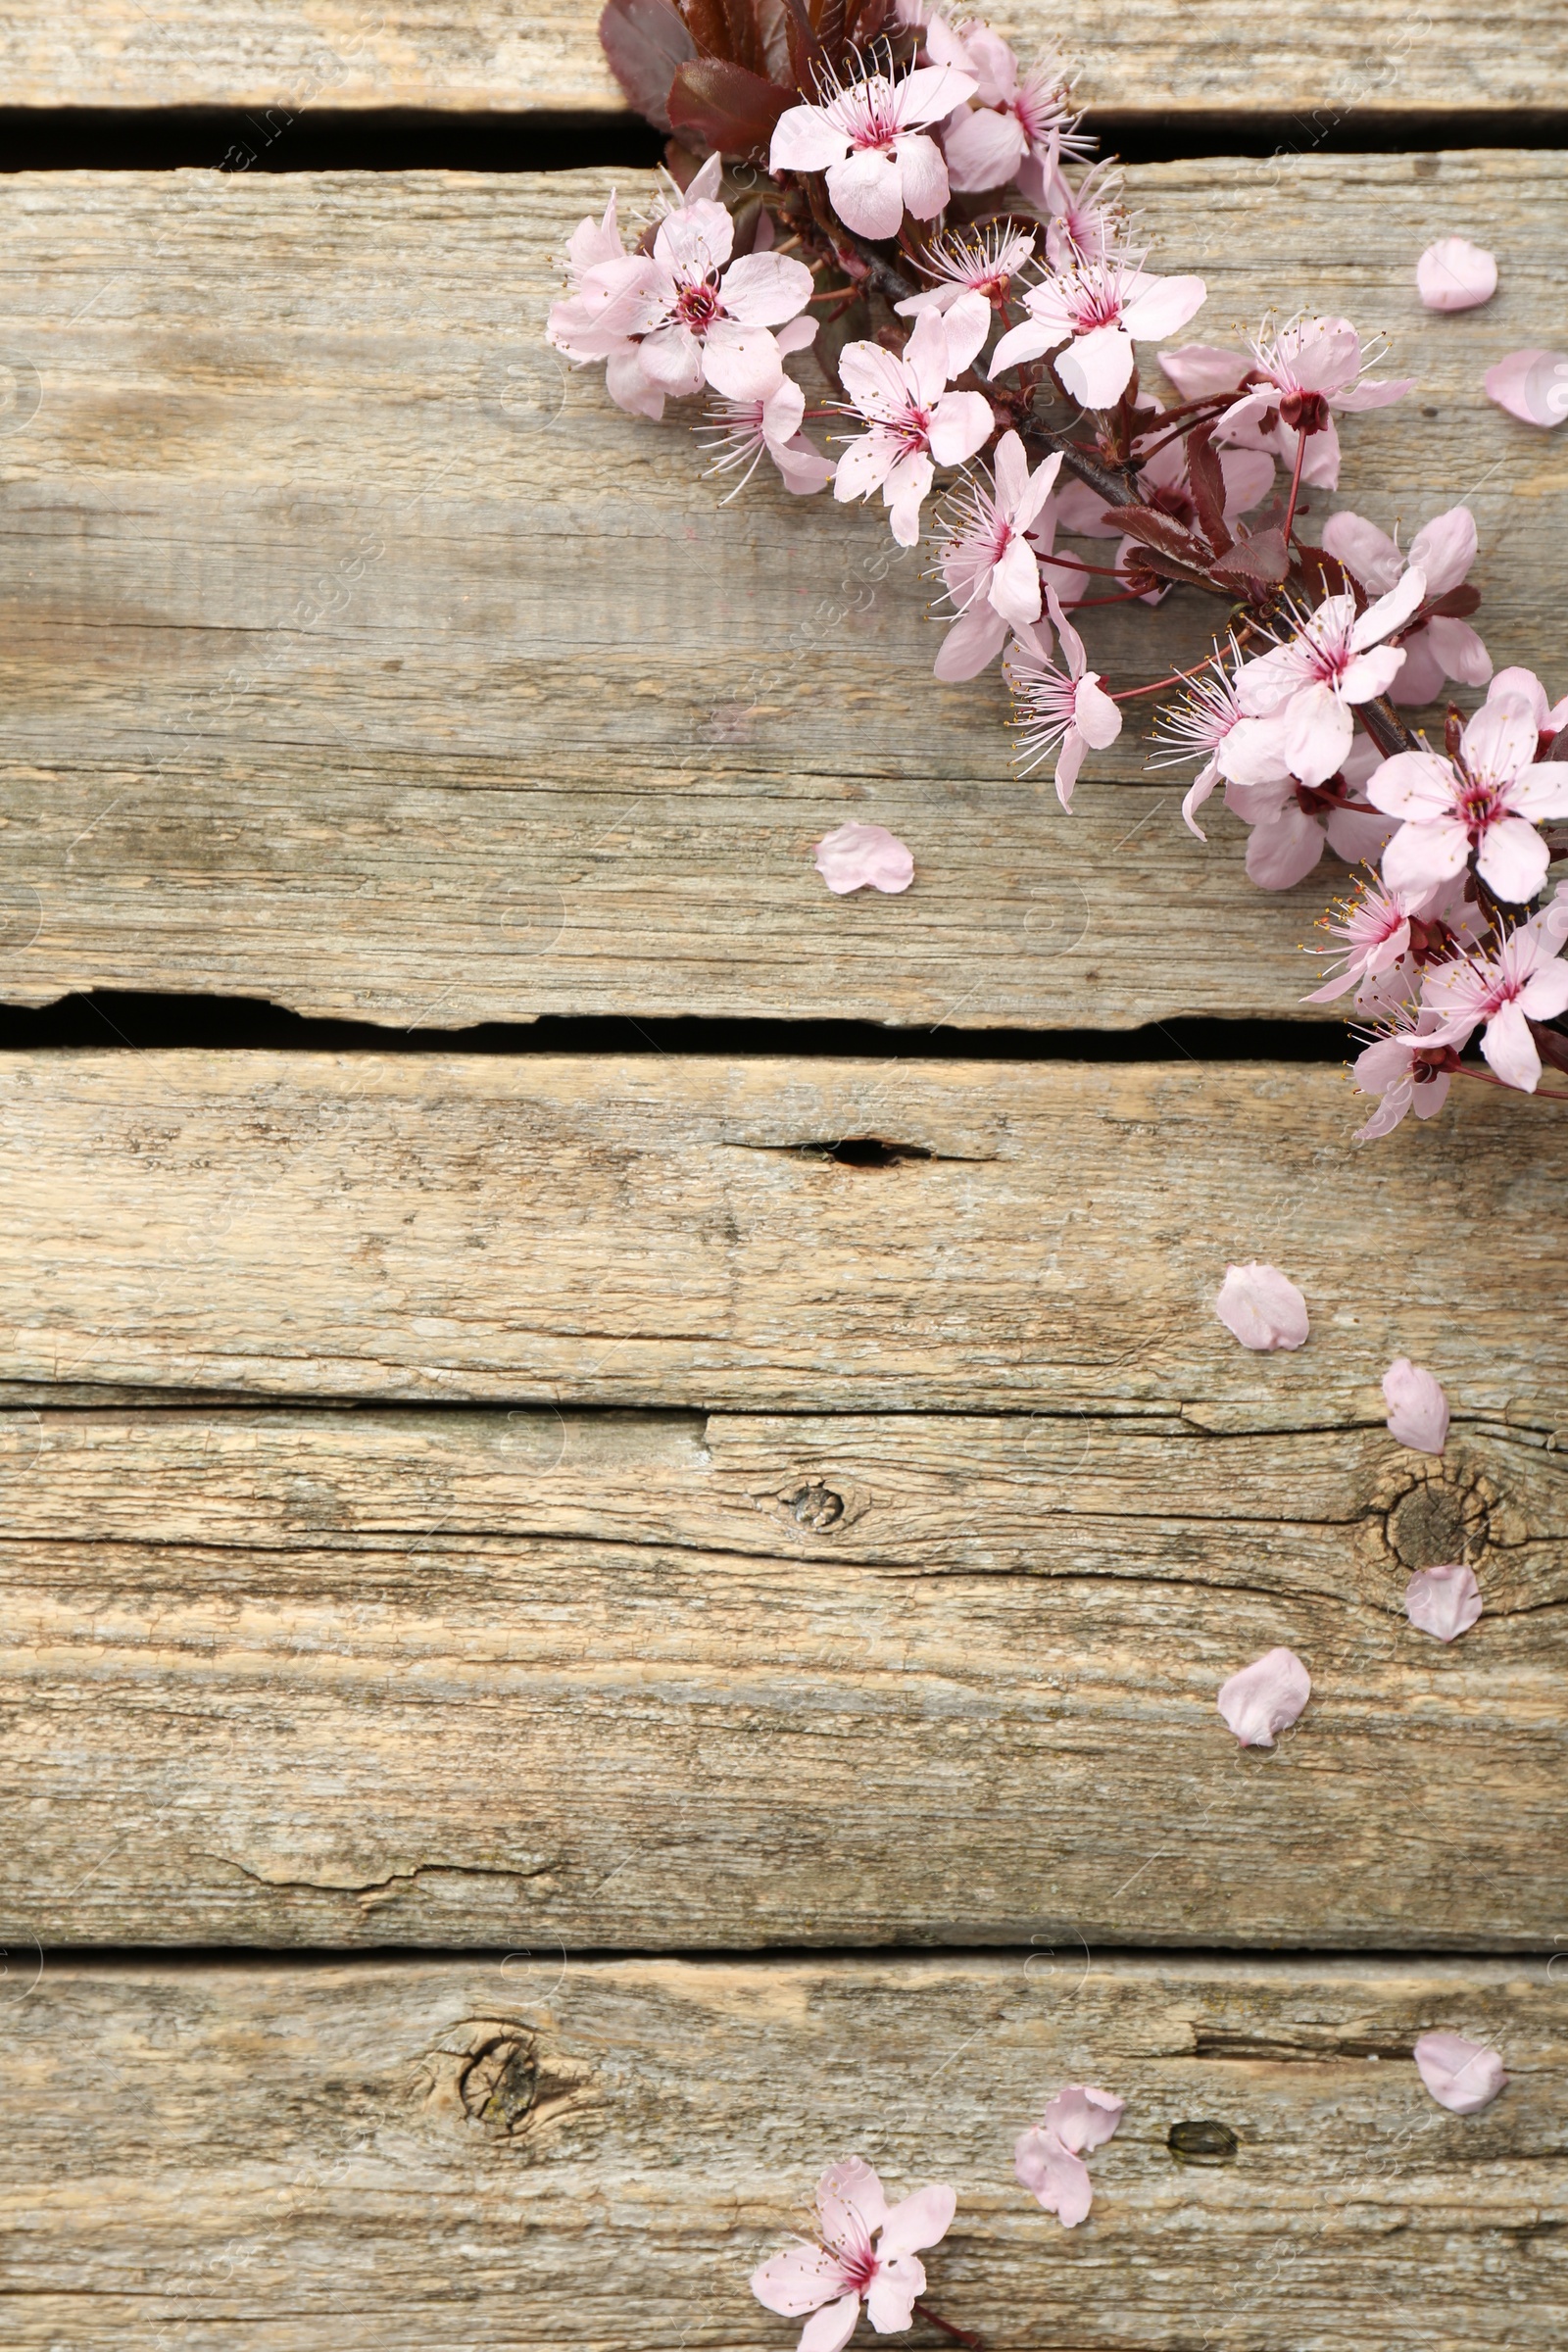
point(1096, 306)
point(697, 306)
point(1479, 805)
point(859, 2267)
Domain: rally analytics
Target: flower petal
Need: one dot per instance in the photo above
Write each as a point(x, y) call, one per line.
point(923, 172)
point(984, 150)
point(891, 2296)
point(1419, 857)
point(1367, 554)
point(1456, 276)
point(1261, 1308)
point(975, 640)
point(857, 857)
point(1462, 2075)
point(1096, 368)
point(1283, 850)
point(742, 363)
point(919, 2221)
point(1532, 385)
point(1390, 611)
point(832, 2327)
point(868, 193)
point(1265, 1697)
point(1445, 548)
point(1418, 1410)
point(807, 139)
point(1512, 860)
point(1054, 2174)
point(1199, 368)
point(961, 423)
point(1443, 1602)
point(1318, 732)
point(1418, 785)
point(1507, 1044)
point(801, 2279)
point(1015, 583)
point(1162, 305)
point(1083, 2117)
point(765, 289)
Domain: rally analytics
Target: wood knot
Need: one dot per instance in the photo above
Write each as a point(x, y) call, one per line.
point(490, 2075)
point(815, 1506)
point(1441, 1519)
point(1202, 2143)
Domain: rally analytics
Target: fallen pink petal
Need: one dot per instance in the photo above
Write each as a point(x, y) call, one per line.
point(1261, 1308)
point(1048, 2158)
point(1462, 2075)
point(1418, 1409)
point(1266, 1699)
point(861, 857)
point(1532, 385)
point(1445, 1601)
point(1456, 276)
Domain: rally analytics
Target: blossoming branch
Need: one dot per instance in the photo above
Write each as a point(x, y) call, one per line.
point(898, 195)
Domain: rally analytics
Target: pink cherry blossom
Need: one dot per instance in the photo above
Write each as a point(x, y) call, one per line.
point(1462, 2075)
point(1436, 644)
point(1193, 728)
point(984, 260)
point(1048, 2158)
point(1303, 691)
point(1443, 1601)
point(589, 325)
point(1068, 713)
point(1418, 1410)
point(868, 2251)
point(1086, 220)
point(1532, 385)
point(1376, 932)
point(1096, 308)
point(857, 857)
point(1018, 114)
point(744, 431)
point(1261, 1308)
point(1456, 276)
point(872, 140)
point(1486, 803)
point(990, 568)
point(699, 322)
point(1296, 377)
point(1525, 981)
point(1407, 1069)
point(1265, 1697)
point(915, 423)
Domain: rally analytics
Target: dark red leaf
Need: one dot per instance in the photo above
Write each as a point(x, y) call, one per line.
point(1558, 749)
point(1325, 575)
point(1260, 562)
point(708, 25)
point(1159, 531)
point(644, 41)
point(1458, 602)
point(730, 109)
point(1208, 488)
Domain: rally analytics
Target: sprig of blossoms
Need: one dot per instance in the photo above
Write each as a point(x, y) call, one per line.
point(922, 257)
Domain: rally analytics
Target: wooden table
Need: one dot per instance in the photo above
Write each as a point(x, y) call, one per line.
point(602, 1609)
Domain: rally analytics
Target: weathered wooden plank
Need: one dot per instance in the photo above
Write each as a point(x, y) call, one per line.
point(1138, 57)
point(339, 1679)
point(523, 2153)
point(651, 1231)
point(355, 657)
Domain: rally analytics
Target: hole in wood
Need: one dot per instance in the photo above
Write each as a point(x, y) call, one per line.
point(1202, 2143)
point(870, 1151)
point(500, 2082)
point(815, 1506)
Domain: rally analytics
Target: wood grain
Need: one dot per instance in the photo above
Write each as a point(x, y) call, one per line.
point(649, 1231)
point(685, 1682)
point(355, 657)
point(1141, 57)
point(512, 2154)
